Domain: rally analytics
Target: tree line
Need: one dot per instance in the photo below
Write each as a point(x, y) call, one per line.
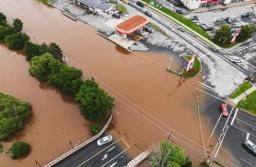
point(47, 65)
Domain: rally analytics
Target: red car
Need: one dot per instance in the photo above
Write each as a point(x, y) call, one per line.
point(223, 109)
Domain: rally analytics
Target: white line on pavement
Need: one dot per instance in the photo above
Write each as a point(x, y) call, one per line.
point(98, 153)
point(246, 123)
point(116, 156)
point(246, 161)
point(234, 117)
point(242, 130)
point(209, 94)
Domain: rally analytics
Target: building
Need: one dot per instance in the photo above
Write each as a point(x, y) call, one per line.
point(131, 25)
point(194, 4)
point(96, 6)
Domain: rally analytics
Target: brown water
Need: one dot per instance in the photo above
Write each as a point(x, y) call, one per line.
point(149, 101)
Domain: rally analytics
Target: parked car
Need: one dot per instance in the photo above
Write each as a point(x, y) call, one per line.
point(205, 27)
point(249, 144)
point(193, 18)
point(140, 4)
point(245, 15)
point(148, 13)
point(116, 15)
point(223, 109)
point(235, 59)
point(147, 29)
point(104, 140)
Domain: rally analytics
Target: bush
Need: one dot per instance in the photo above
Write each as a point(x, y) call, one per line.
point(17, 25)
point(223, 35)
point(204, 164)
point(94, 102)
point(246, 32)
point(55, 50)
point(5, 30)
point(13, 115)
point(94, 129)
point(42, 66)
point(3, 19)
point(16, 41)
point(67, 79)
point(19, 149)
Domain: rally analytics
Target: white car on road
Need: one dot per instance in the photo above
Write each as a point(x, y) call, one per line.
point(249, 144)
point(235, 59)
point(104, 140)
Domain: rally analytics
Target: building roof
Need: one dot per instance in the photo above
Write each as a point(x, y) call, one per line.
point(132, 24)
point(91, 3)
point(106, 6)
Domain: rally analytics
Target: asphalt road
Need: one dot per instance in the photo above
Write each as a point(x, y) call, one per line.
point(109, 155)
point(236, 134)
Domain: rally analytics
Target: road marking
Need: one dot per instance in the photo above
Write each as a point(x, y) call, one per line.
point(209, 94)
point(242, 130)
point(246, 123)
point(116, 156)
point(248, 162)
point(98, 153)
point(234, 117)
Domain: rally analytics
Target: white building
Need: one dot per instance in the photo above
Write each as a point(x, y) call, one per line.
point(194, 4)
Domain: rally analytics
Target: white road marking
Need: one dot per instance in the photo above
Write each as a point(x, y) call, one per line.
point(246, 161)
point(209, 94)
point(98, 153)
point(116, 156)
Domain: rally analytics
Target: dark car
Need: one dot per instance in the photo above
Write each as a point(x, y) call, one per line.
point(140, 4)
point(148, 14)
point(245, 15)
point(148, 29)
point(116, 15)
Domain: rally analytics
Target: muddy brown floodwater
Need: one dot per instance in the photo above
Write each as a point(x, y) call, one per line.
point(149, 101)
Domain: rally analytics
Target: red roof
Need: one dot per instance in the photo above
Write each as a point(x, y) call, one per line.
point(132, 24)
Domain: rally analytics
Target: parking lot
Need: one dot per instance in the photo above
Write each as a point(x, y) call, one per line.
point(113, 154)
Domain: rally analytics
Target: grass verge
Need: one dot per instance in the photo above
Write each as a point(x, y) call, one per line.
point(44, 1)
point(240, 89)
point(249, 103)
point(180, 18)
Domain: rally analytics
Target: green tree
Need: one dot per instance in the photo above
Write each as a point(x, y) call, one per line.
point(67, 79)
point(223, 35)
point(3, 19)
point(31, 50)
point(42, 66)
point(5, 30)
point(169, 155)
point(94, 102)
point(13, 115)
point(16, 41)
point(56, 51)
point(19, 149)
point(94, 129)
point(246, 32)
point(17, 25)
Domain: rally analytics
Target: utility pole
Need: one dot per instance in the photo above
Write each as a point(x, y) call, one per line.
point(70, 143)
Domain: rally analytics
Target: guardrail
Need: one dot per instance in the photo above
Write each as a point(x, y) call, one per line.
point(140, 158)
point(78, 147)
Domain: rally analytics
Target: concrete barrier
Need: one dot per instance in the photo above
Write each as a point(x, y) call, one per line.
point(78, 147)
point(140, 158)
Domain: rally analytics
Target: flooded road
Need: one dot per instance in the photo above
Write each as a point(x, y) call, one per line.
point(150, 103)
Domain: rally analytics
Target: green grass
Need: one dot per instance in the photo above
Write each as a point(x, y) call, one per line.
point(182, 19)
point(44, 1)
point(219, 164)
point(240, 89)
point(249, 103)
point(158, 29)
point(121, 9)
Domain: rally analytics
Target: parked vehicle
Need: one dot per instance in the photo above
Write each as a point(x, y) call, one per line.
point(205, 27)
point(245, 15)
point(140, 4)
point(249, 144)
point(235, 59)
point(223, 109)
point(193, 18)
point(147, 29)
point(148, 13)
point(116, 15)
point(104, 140)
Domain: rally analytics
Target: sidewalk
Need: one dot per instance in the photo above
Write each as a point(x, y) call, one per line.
point(242, 96)
point(200, 10)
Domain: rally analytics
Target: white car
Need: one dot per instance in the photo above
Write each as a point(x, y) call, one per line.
point(249, 144)
point(104, 140)
point(235, 59)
